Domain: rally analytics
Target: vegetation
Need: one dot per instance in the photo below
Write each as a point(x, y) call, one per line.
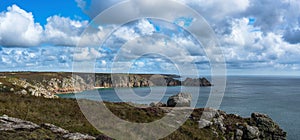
point(65, 113)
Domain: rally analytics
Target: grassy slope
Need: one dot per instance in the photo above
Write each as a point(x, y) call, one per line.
point(66, 114)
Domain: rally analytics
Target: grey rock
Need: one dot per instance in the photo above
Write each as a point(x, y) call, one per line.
point(220, 124)
point(269, 129)
point(78, 136)
point(54, 129)
point(210, 113)
point(180, 100)
point(9, 123)
point(204, 123)
point(252, 132)
point(239, 134)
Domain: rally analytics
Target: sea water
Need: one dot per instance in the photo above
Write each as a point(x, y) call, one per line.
point(279, 97)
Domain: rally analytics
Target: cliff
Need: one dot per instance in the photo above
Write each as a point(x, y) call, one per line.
point(48, 84)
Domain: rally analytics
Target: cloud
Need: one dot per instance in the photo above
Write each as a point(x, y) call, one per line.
point(253, 34)
point(17, 28)
point(86, 54)
point(63, 31)
point(292, 36)
point(247, 47)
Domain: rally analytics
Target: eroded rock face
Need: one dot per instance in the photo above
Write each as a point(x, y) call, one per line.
point(180, 100)
point(268, 128)
point(259, 126)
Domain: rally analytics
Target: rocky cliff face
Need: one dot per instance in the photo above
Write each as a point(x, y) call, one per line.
point(234, 127)
point(48, 84)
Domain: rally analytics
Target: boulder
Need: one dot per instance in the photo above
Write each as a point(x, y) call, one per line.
point(251, 132)
point(204, 123)
point(239, 134)
point(180, 100)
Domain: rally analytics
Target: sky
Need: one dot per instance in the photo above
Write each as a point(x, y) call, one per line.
point(256, 37)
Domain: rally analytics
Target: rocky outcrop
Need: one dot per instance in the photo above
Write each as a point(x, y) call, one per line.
point(180, 100)
point(267, 127)
point(234, 127)
point(203, 82)
point(13, 125)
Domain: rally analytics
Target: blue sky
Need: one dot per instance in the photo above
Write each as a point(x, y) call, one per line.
point(256, 37)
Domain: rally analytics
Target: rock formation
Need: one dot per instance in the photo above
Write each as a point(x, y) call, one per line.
point(234, 127)
point(13, 125)
point(180, 100)
point(203, 82)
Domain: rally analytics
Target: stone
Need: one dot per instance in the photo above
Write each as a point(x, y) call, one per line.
point(204, 123)
point(9, 124)
point(252, 132)
point(180, 100)
point(220, 124)
point(78, 136)
point(24, 92)
point(239, 134)
point(54, 129)
point(210, 113)
point(269, 129)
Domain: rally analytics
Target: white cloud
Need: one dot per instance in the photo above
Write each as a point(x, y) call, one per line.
point(217, 9)
point(63, 31)
point(17, 28)
point(86, 54)
point(145, 27)
point(247, 44)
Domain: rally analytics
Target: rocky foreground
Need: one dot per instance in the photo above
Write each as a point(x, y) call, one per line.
point(49, 84)
point(39, 114)
point(219, 126)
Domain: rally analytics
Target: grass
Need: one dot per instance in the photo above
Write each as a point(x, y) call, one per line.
point(65, 113)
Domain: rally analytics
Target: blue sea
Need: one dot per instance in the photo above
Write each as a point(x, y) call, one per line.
point(279, 97)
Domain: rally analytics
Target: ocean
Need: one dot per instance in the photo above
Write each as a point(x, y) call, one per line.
point(279, 97)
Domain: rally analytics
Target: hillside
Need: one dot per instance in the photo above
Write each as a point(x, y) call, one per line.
point(66, 114)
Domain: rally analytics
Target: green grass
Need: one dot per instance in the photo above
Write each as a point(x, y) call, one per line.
point(65, 113)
